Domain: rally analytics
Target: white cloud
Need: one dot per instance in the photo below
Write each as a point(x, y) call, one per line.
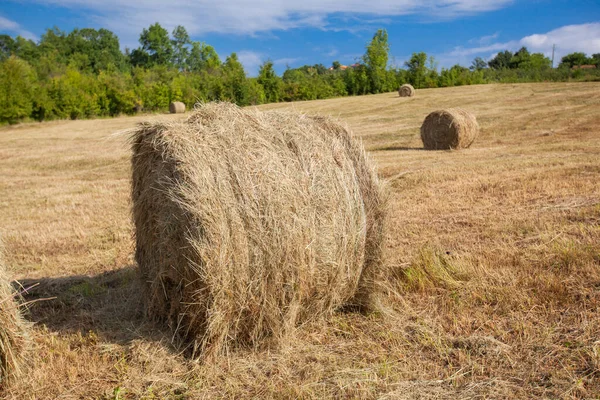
point(485, 39)
point(13, 27)
point(251, 60)
point(258, 16)
point(568, 39)
point(460, 52)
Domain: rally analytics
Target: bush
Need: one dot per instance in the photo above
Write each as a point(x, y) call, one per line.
point(17, 82)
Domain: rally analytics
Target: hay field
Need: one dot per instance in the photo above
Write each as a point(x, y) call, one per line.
point(495, 256)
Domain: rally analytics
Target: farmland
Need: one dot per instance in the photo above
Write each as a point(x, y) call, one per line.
point(494, 253)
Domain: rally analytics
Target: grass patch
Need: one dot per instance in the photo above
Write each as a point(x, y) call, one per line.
point(430, 269)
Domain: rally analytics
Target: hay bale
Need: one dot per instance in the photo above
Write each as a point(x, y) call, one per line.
point(248, 223)
point(406, 90)
point(176, 107)
point(453, 128)
point(12, 331)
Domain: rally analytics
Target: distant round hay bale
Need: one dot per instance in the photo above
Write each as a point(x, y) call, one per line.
point(12, 331)
point(453, 128)
point(176, 107)
point(249, 223)
point(406, 90)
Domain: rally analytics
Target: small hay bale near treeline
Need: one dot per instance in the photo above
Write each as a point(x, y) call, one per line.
point(406, 90)
point(177, 107)
point(249, 223)
point(13, 331)
point(453, 128)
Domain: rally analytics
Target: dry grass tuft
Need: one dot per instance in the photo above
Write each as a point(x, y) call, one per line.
point(406, 90)
point(12, 331)
point(176, 107)
point(249, 223)
point(453, 128)
point(430, 269)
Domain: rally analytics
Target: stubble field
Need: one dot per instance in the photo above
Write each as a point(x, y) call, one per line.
point(494, 255)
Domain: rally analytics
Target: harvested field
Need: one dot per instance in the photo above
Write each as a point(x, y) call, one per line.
point(494, 255)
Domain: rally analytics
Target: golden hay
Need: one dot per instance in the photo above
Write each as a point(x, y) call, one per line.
point(406, 90)
point(453, 128)
point(249, 223)
point(12, 331)
point(176, 107)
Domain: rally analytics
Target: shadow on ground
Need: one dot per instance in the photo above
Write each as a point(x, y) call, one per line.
point(109, 304)
point(398, 148)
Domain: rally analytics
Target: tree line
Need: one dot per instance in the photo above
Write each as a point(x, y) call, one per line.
point(84, 74)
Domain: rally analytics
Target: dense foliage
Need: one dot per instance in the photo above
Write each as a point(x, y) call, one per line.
point(85, 74)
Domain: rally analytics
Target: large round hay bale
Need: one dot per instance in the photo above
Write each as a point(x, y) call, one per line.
point(453, 128)
point(12, 331)
point(176, 107)
point(406, 90)
point(248, 223)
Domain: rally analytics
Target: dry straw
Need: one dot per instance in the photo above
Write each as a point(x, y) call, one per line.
point(12, 331)
point(176, 107)
point(406, 90)
point(453, 128)
point(249, 223)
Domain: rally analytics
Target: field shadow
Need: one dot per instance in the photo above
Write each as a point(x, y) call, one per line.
point(109, 304)
point(398, 148)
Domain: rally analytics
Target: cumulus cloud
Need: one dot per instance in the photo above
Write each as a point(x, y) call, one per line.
point(13, 27)
point(568, 39)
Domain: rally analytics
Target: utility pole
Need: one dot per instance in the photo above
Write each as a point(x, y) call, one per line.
point(553, 49)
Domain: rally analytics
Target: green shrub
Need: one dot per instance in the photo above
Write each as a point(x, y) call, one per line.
point(17, 82)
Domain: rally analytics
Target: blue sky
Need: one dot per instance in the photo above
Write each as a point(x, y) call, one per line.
point(302, 32)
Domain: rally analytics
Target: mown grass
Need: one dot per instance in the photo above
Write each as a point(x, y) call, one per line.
point(494, 255)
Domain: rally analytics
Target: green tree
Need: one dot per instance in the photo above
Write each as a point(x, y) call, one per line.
point(336, 65)
point(478, 64)
point(417, 69)
point(48, 66)
point(202, 57)
point(256, 92)
point(539, 61)
point(180, 52)
point(27, 50)
point(521, 59)
point(235, 82)
point(17, 81)
point(270, 82)
point(139, 58)
point(74, 95)
point(501, 61)
point(101, 47)
point(156, 48)
point(432, 76)
point(117, 93)
point(376, 59)
point(574, 59)
point(7, 47)
point(596, 59)
point(55, 41)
